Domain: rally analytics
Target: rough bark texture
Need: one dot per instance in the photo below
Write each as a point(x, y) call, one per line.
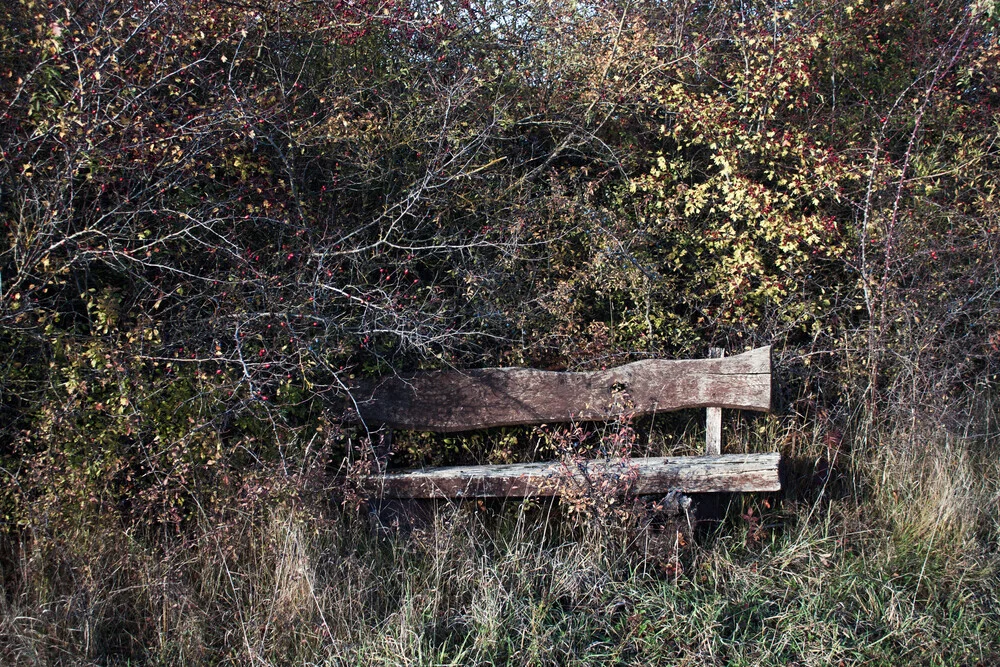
point(447, 401)
point(685, 474)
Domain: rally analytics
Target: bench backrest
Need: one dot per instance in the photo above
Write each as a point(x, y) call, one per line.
point(448, 401)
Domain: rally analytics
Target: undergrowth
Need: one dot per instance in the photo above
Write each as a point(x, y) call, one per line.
point(889, 559)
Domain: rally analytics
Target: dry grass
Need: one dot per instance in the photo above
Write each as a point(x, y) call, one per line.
point(891, 559)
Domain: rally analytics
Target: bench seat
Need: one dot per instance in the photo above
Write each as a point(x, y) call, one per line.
point(640, 476)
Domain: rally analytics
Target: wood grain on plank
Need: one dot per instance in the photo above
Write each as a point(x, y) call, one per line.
point(687, 474)
point(447, 401)
point(713, 416)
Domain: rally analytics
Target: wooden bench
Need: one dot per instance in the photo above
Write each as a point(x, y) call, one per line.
point(454, 401)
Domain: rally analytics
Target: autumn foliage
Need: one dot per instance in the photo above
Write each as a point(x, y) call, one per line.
point(216, 215)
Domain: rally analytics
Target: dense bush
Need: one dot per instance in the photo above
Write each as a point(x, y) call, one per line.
point(217, 215)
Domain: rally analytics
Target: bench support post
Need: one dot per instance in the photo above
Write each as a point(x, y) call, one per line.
point(713, 416)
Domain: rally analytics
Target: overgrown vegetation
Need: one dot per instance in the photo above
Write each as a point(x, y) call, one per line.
point(217, 215)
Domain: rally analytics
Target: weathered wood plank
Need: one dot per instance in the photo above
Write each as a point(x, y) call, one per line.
point(713, 416)
point(686, 474)
point(447, 401)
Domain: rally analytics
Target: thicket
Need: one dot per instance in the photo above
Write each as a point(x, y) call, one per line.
point(217, 215)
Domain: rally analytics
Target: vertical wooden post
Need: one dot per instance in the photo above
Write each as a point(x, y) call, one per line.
point(713, 416)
